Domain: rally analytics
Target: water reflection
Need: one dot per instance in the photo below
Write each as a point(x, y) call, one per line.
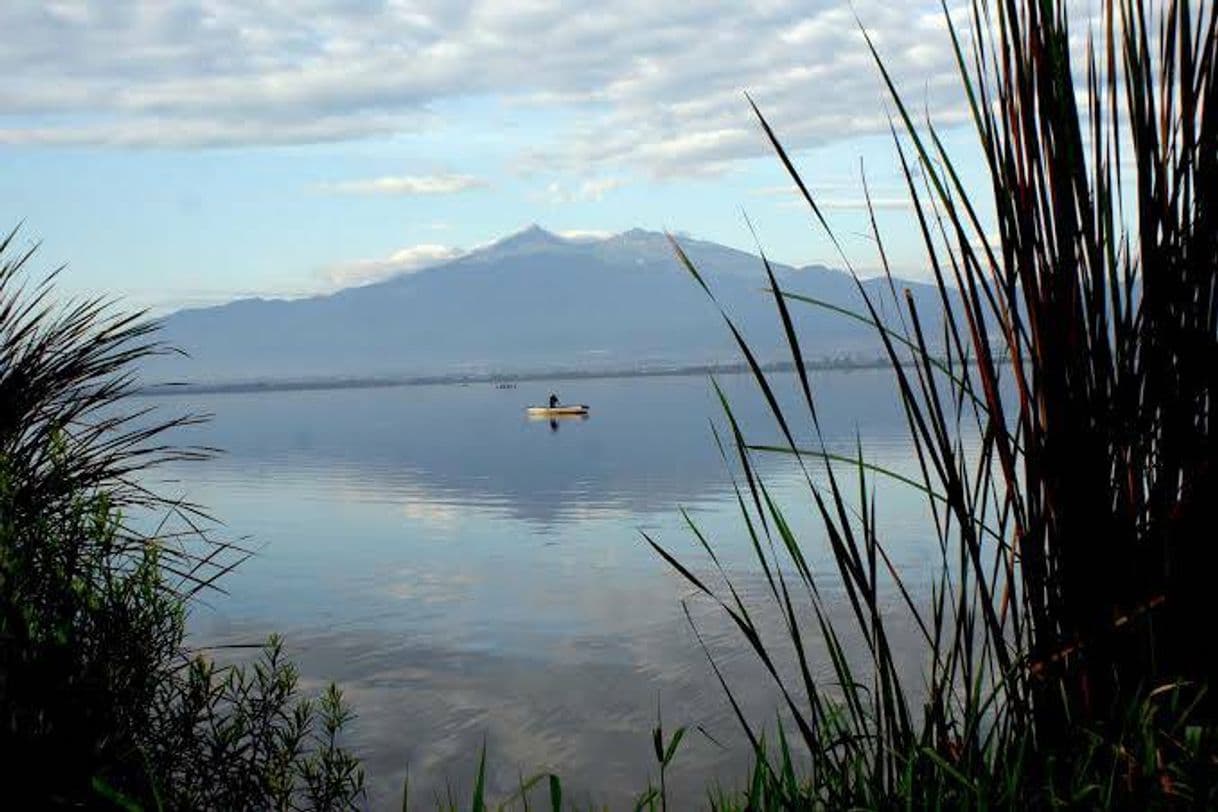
point(555, 420)
point(648, 449)
point(467, 572)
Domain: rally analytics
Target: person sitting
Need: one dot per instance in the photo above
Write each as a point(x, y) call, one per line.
point(553, 401)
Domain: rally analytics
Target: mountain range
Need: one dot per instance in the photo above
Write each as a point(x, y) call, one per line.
point(531, 302)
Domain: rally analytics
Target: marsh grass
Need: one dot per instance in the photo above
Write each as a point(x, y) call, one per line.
point(1061, 408)
point(103, 704)
point(1065, 663)
point(1066, 651)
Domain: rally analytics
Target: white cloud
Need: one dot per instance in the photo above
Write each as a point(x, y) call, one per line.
point(585, 234)
point(190, 132)
point(852, 203)
point(404, 185)
point(640, 85)
point(586, 191)
point(887, 201)
point(596, 188)
point(406, 260)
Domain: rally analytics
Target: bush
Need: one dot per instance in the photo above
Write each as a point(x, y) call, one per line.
point(86, 638)
point(101, 701)
point(241, 738)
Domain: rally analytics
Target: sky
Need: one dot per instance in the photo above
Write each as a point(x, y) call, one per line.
point(188, 152)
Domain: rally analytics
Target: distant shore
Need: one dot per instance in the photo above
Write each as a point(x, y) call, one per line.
point(378, 382)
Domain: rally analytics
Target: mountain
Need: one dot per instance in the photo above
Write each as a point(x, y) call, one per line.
point(530, 302)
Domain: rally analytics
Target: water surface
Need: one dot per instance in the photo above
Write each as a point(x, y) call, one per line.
point(468, 575)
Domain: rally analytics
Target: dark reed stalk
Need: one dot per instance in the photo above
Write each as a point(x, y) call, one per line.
point(67, 424)
point(1080, 349)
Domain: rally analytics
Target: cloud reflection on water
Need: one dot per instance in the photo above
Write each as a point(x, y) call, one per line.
point(465, 573)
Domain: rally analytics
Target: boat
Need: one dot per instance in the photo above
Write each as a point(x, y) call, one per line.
point(557, 411)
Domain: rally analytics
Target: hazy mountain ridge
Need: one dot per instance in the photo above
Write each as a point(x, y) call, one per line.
point(529, 302)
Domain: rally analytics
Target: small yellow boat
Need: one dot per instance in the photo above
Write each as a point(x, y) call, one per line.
point(557, 411)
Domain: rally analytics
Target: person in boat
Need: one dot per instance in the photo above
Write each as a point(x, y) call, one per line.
point(553, 401)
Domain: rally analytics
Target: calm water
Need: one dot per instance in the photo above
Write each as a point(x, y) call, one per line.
point(468, 575)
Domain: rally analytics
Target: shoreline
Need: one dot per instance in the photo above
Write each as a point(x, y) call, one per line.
point(385, 382)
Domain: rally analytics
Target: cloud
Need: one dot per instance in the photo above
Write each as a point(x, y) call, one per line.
point(589, 190)
point(585, 234)
point(188, 132)
point(636, 84)
point(407, 260)
point(406, 185)
point(852, 203)
point(793, 198)
point(596, 188)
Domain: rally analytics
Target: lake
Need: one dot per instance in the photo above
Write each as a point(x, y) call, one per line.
point(471, 576)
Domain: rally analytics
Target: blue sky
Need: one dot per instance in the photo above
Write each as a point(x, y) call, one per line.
point(192, 151)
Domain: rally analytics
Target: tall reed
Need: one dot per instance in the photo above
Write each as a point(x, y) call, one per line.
point(69, 427)
point(103, 704)
point(1079, 346)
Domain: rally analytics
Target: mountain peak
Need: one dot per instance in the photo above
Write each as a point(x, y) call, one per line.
point(530, 234)
point(530, 239)
point(532, 301)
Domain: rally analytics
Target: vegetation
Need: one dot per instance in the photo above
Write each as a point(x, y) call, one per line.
point(1063, 420)
point(101, 702)
point(1063, 416)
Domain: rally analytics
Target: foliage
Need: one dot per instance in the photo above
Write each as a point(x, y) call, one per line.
point(241, 737)
point(85, 639)
point(101, 702)
point(1063, 421)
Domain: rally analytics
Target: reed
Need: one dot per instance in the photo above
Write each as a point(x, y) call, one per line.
point(103, 704)
point(1062, 412)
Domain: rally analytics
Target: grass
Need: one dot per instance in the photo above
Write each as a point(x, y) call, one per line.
point(1062, 415)
point(102, 702)
point(1064, 663)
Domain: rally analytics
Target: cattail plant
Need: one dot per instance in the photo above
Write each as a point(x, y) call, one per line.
point(1061, 408)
